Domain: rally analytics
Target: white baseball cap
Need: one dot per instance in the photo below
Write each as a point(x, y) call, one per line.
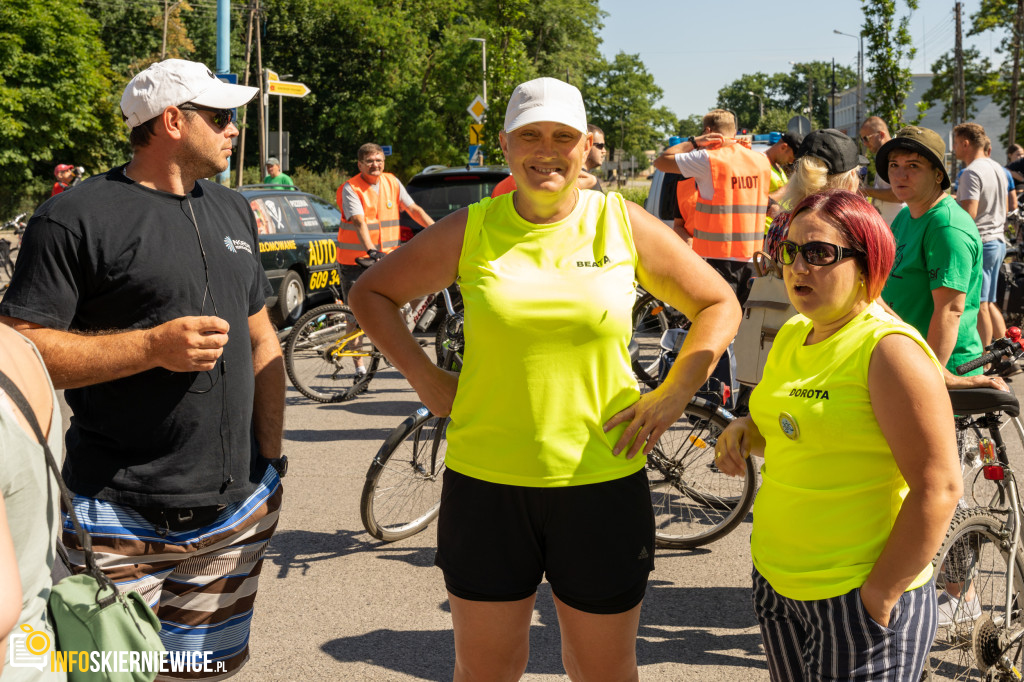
point(173, 82)
point(546, 99)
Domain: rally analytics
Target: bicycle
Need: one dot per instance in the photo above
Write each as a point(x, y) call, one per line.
point(402, 492)
point(979, 570)
point(322, 350)
point(17, 224)
point(694, 502)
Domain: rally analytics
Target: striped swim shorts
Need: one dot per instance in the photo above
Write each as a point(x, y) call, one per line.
point(200, 583)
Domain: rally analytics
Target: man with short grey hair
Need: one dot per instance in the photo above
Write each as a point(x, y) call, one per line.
point(874, 133)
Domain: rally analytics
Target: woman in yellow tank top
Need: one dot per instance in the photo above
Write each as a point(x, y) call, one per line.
point(861, 473)
point(547, 420)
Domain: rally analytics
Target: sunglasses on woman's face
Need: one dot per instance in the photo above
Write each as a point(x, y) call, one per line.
point(221, 117)
point(814, 253)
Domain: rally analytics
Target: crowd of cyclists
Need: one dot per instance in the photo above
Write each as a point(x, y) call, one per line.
point(549, 430)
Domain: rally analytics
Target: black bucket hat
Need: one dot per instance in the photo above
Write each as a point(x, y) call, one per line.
point(925, 142)
point(835, 148)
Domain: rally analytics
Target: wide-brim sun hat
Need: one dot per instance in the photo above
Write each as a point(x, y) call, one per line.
point(923, 141)
point(174, 82)
point(835, 148)
point(546, 99)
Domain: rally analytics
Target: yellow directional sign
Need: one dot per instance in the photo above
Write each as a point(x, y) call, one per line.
point(272, 75)
point(477, 108)
point(476, 133)
point(287, 88)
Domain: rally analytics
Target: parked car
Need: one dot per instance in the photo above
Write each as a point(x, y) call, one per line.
point(440, 190)
point(298, 247)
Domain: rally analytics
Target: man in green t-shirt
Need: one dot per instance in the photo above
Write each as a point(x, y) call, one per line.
point(935, 283)
point(274, 174)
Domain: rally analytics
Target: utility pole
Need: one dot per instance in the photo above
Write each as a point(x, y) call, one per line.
point(1018, 36)
point(263, 95)
point(245, 77)
point(167, 17)
point(959, 113)
point(832, 118)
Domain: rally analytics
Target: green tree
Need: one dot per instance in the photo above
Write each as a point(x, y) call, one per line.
point(814, 79)
point(786, 92)
point(58, 102)
point(889, 46)
point(776, 120)
point(622, 98)
point(979, 80)
point(999, 16)
point(691, 126)
point(562, 37)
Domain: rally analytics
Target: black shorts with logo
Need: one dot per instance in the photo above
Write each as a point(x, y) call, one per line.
point(594, 543)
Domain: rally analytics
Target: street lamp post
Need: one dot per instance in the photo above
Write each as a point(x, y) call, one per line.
point(760, 105)
point(860, 75)
point(483, 43)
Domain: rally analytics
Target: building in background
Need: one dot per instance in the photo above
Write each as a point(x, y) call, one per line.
point(988, 116)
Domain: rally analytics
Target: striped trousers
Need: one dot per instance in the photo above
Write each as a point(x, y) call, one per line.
point(200, 583)
point(836, 639)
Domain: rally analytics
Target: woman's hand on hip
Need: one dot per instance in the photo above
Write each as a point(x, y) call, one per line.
point(735, 444)
point(438, 394)
point(647, 419)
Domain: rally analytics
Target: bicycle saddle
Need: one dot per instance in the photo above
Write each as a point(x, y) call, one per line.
point(982, 400)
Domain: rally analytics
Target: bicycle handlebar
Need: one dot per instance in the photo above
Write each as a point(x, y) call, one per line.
point(1008, 345)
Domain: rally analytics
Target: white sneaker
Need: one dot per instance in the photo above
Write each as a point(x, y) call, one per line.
point(952, 610)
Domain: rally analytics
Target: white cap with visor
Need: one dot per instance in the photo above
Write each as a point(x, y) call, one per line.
point(546, 99)
point(174, 82)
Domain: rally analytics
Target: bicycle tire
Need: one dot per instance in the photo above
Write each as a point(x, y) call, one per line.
point(649, 323)
point(313, 366)
point(402, 492)
point(694, 502)
point(975, 553)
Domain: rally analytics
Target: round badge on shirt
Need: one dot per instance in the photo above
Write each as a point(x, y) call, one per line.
point(789, 425)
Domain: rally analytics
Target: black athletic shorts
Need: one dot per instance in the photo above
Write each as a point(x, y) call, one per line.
point(594, 543)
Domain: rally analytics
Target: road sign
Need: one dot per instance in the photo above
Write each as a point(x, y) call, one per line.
point(477, 108)
point(387, 149)
point(476, 157)
point(476, 133)
point(799, 124)
point(228, 78)
point(287, 88)
point(272, 75)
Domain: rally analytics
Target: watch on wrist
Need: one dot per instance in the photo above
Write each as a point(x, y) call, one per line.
point(280, 465)
point(692, 140)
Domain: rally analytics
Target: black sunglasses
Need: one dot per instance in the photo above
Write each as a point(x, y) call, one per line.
point(221, 117)
point(814, 253)
point(599, 145)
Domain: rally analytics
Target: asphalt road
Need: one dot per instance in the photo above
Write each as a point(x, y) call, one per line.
point(336, 604)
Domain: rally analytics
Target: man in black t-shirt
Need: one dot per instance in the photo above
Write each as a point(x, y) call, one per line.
point(144, 293)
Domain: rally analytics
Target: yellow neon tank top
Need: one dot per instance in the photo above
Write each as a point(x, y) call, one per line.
point(830, 488)
point(548, 311)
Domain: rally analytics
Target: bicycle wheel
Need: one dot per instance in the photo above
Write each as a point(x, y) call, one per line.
point(321, 351)
point(649, 323)
point(402, 492)
point(694, 502)
point(975, 632)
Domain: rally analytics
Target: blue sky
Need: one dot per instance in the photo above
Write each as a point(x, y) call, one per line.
point(692, 51)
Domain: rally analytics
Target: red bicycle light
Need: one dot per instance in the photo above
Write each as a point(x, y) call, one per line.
point(993, 472)
point(1013, 333)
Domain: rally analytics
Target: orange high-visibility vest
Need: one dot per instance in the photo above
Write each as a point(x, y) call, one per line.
point(380, 210)
point(686, 198)
point(731, 225)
